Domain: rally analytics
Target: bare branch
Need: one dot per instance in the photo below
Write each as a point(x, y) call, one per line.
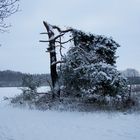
point(56, 27)
point(43, 33)
point(59, 46)
point(54, 38)
point(7, 8)
point(61, 31)
point(57, 62)
point(57, 41)
point(50, 51)
point(44, 41)
point(68, 30)
point(64, 41)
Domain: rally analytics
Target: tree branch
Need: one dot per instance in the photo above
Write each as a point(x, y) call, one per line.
point(57, 62)
point(7, 8)
point(54, 38)
point(43, 33)
point(64, 41)
point(44, 41)
point(61, 31)
point(56, 41)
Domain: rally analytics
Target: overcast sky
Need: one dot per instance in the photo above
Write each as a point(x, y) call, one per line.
point(120, 19)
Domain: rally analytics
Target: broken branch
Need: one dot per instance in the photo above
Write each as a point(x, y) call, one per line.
point(44, 33)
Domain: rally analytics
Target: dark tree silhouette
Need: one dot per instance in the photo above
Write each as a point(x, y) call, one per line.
point(54, 40)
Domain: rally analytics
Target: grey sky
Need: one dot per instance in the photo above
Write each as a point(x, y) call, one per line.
point(120, 19)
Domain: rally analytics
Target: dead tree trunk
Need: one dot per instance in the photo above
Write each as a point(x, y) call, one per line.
point(52, 40)
point(53, 59)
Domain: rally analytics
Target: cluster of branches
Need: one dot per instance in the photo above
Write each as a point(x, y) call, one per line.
point(7, 8)
point(57, 39)
point(55, 35)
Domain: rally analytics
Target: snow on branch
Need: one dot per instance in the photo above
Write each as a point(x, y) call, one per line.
point(62, 31)
point(57, 62)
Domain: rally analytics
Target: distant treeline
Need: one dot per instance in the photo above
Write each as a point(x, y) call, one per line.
point(134, 80)
point(10, 78)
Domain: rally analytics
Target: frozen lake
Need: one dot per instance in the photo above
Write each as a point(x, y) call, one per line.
point(12, 91)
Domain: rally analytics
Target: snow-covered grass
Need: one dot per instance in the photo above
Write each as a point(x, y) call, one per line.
point(25, 124)
point(9, 92)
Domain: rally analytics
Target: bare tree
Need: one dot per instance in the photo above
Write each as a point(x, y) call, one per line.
point(7, 8)
point(54, 41)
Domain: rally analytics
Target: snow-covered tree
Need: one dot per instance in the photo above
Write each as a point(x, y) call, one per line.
point(89, 66)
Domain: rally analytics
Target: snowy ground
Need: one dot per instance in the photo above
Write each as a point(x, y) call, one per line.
point(24, 124)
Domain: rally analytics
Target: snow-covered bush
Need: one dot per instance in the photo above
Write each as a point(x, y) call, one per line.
point(89, 67)
point(29, 87)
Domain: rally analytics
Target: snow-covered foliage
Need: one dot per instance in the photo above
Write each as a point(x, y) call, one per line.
point(101, 47)
point(90, 66)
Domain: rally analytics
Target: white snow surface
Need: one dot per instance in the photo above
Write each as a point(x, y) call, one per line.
point(25, 124)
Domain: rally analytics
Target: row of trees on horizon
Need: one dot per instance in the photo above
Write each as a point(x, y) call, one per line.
point(9, 78)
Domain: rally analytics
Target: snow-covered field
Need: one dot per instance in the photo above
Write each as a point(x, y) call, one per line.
point(25, 124)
